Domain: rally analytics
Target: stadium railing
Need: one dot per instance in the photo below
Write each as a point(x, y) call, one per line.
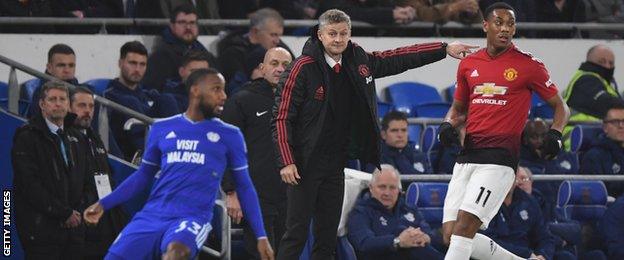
point(13, 107)
point(104, 22)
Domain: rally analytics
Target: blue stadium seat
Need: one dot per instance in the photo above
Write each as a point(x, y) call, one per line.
point(565, 163)
point(449, 93)
point(582, 136)
point(434, 110)
point(536, 100)
point(429, 199)
point(26, 94)
point(98, 86)
point(542, 111)
point(4, 95)
point(430, 140)
point(306, 253)
point(583, 201)
point(383, 108)
point(405, 95)
point(345, 250)
point(414, 133)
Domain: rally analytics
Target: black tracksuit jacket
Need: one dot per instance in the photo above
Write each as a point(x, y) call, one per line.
point(303, 94)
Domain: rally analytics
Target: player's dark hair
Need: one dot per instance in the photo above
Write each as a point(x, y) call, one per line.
point(616, 107)
point(392, 116)
point(182, 9)
point(194, 55)
point(197, 76)
point(79, 89)
point(59, 48)
point(498, 5)
point(134, 47)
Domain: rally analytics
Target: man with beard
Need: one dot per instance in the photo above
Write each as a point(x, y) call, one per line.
point(176, 40)
point(92, 154)
point(61, 65)
point(127, 91)
point(249, 110)
point(190, 152)
point(48, 182)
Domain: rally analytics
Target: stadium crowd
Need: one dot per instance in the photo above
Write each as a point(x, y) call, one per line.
point(55, 186)
point(377, 12)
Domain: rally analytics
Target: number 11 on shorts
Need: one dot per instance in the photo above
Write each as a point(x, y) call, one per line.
point(487, 196)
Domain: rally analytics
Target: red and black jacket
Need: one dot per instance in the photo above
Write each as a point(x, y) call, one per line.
point(301, 102)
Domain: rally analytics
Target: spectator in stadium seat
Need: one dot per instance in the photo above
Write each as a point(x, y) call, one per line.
point(520, 227)
point(606, 156)
point(169, 49)
point(48, 183)
point(251, 71)
point(383, 226)
point(567, 233)
point(525, 9)
point(206, 9)
point(92, 153)
point(249, 110)
point(612, 229)
point(592, 90)
point(396, 150)
point(560, 11)
point(40, 8)
point(532, 140)
point(61, 65)
point(129, 92)
point(371, 11)
point(442, 11)
point(266, 29)
point(192, 61)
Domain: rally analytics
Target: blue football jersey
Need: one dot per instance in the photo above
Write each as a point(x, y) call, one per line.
point(192, 157)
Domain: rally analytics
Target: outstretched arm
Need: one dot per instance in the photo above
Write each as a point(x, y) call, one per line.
point(398, 60)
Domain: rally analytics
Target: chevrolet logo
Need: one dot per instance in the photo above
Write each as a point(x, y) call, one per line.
point(489, 90)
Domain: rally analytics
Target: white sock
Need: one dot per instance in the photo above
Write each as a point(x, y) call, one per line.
point(459, 249)
point(484, 248)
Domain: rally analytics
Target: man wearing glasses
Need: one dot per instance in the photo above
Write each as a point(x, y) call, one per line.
point(176, 40)
point(607, 154)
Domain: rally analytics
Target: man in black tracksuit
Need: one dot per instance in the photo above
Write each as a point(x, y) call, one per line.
point(249, 109)
point(324, 113)
point(92, 157)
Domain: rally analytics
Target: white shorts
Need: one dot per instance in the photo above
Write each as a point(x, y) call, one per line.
point(479, 189)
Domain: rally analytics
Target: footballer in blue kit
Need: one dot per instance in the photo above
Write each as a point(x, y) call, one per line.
point(191, 151)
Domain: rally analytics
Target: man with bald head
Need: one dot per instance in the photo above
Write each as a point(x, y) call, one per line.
point(592, 90)
point(383, 226)
point(250, 110)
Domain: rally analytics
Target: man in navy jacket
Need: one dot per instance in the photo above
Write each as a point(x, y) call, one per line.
point(396, 150)
point(612, 227)
point(382, 225)
point(607, 154)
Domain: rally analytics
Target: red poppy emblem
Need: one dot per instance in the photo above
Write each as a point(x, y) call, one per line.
point(363, 70)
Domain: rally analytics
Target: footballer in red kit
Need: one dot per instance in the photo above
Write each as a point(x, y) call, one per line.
point(497, 92)
point(492, 102)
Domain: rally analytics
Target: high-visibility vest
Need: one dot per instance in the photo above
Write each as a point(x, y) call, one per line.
point(576, 115)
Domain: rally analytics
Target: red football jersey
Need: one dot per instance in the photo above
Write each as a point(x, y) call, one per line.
point(497, 94)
